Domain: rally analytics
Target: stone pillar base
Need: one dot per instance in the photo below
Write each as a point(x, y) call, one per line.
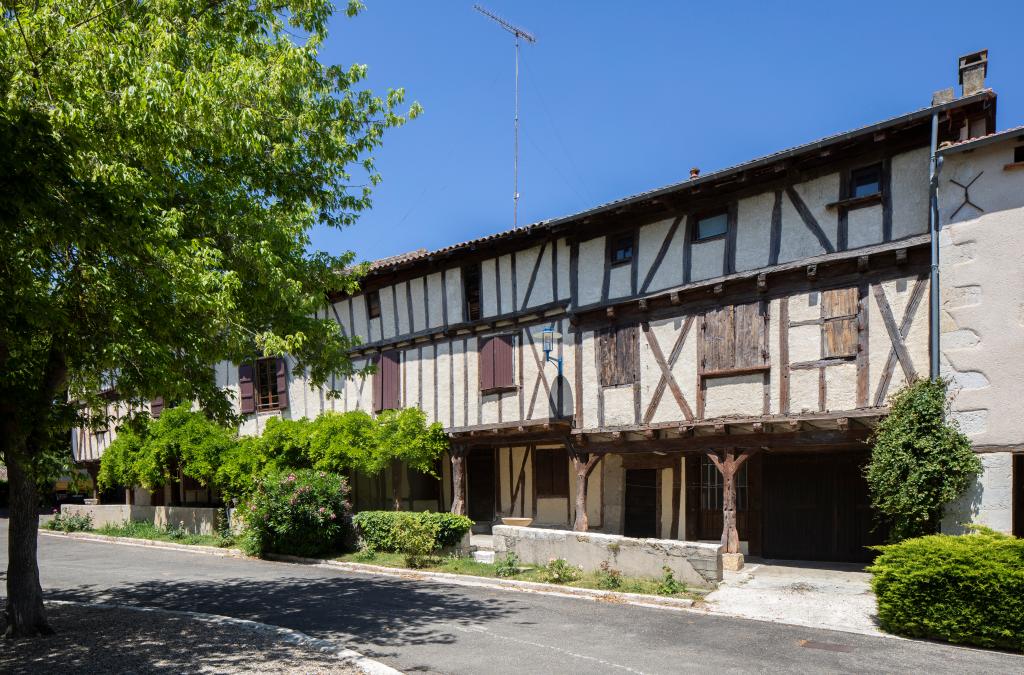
point(732, 562)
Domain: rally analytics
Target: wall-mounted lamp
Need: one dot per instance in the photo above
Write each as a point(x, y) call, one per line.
point(548, 337)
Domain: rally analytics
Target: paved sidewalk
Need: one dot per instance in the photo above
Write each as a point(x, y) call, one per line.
point(836, 597)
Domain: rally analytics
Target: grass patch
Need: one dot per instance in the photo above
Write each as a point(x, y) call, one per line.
point(468, 566)
point(145, 530)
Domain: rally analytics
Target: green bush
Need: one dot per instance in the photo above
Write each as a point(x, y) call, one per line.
point(668, 584)
point(304, 513)
point(382, 530)
point(73, 523)
point(965, 589)
point(417, 540)
point(509, 566)
point(558, 571)
point(608, 577)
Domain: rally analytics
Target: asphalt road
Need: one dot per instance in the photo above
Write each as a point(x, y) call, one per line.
point(428, 627)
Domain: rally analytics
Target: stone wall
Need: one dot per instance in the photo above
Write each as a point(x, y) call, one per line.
point(695, 564)
point(194, 520)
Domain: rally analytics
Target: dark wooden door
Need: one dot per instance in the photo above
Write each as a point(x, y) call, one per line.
point(641, 513)
point(480, 485)
point(816, 507)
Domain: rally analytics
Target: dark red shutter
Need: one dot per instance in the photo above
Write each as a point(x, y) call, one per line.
point(378, 387)
point(156, 406)
point(503, 373)
point(486, 352)
point(390, 379)
point(282, 384)
point(246, 391)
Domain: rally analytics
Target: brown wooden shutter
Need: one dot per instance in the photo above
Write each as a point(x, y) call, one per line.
point(503, 374)
point(156, 406)
point(619, 350)
point(282, 384)
point(486, 367)
point(390, 379)
point(378, 386)
point(246, 390)
point(751, 347)
point(719, 340)
point(839, 316)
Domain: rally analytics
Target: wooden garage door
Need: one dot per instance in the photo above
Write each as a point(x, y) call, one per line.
point(816, 507)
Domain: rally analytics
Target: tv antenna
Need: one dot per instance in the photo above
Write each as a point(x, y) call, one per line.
point(518, 33)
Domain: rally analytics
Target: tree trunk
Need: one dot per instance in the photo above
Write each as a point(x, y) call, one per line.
point(458, 483)
point(396, 484)
point(24, 614)
point(730, 535)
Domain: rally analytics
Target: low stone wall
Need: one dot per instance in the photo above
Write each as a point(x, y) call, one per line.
point(194, 519)
point(695, 564)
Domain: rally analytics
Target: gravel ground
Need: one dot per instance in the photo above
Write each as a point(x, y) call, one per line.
point(97, 640)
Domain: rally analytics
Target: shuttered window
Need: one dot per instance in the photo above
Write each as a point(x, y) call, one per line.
point(839, 323)
point(551, 473)
point(618, 350)
point(497, 367)
point(386, 381)
point(471, 291)
point(734, 338)
point(156, 407)
point(373, 304)
point(263, 385)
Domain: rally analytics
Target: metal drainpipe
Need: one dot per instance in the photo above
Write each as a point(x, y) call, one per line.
point(933, 227)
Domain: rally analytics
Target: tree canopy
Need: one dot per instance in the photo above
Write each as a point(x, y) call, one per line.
point(164, 164)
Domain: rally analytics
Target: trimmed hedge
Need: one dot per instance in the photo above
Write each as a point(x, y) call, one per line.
point(382, 530)
point(964, 589)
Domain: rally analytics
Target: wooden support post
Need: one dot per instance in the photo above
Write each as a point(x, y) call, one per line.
point(728, 463)
point(458, 454)
point(583, 464)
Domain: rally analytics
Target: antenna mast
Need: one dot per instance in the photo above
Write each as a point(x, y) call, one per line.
point(518, 33)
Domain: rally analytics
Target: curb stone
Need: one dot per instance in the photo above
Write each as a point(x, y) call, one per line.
point(347, 656)
point(149, 543)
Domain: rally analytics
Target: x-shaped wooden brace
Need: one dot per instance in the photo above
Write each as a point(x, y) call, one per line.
point(542, 378)
point(967, 194)
point(898, 336)
point(666, 371)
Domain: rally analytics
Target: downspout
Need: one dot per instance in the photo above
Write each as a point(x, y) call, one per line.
point(933, 227)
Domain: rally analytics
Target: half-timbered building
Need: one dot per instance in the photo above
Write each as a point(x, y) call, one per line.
point(703, 361)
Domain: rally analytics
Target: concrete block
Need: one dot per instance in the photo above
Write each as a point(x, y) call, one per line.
point(732, 562)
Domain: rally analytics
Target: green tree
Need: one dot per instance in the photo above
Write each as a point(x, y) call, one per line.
point(919, 461)
point(404, 437)
point(164, 163)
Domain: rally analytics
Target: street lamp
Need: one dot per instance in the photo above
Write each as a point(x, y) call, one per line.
point(548, 337)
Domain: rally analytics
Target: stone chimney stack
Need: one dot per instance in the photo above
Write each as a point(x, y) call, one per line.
point(973, 69)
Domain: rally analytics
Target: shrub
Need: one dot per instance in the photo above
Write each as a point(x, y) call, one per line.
point(304, 513)
point(669, 585)
point(382, 530)
point(417, 540)
point(508, 566)
point(919, 461)
point(72, 523)
point(558, 571)
point(964, 589)
point(608, 577)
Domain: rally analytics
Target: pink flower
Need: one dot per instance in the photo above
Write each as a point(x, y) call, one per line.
point(333, 516)
point(322, 510)
point(291, 478)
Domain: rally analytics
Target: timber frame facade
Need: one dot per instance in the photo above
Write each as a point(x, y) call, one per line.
point(727, 345)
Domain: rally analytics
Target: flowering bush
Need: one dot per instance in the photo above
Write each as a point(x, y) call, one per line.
point(70, 523)
point(303, 512)
point(558, 571)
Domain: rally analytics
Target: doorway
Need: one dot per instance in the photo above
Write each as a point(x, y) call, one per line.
point(480, 484)
point(641, 509)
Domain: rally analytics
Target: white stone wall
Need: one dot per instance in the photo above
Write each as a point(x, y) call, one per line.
point(989, 499)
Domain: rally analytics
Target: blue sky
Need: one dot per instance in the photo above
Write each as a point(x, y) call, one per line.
point(622, 97)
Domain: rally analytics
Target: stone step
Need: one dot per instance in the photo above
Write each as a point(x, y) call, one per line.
point(484, 556)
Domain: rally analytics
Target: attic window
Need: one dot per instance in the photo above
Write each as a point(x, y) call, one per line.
point(866, 181)
point(1018, 154)
point(373, 304)
point(711, 225)
point(621, 250)
point(471, 289)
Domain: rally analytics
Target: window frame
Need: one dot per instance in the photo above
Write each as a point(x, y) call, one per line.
point(875, 167)
point(473, 271)
point(373, 304)
point(1018, 154)
point(266, 367)
point(615, 242)
point(712, 492)
point(553, 480)
point(707, 215)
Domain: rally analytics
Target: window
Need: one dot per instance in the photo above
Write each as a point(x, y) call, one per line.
point(866, 181)
point(711, 488)
point(386, 381)
point(621, 249)
point(424, 487)
point(497, 370)
point(373, 304)
point(551, 473)
point(711, 225)
point(1018, 154)
point(734, 338)
point(839, 323)
point(269, 384)
point(471, 291)
point(619, 355)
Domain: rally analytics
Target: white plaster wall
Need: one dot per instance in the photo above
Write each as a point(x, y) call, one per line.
point(359, 317)
point(453, 288)
point(388, 310)
point(435, 308)
point(910, 193)
point(340, 314)
point(753, 230)
point(816, 194)
point(489, 287)
point(590, 381)
point(841, 387)
point(774, 357)
point(401, 294)
point(614, 477)
point(989, 499)
point(620, 281)
point(684, 371)
point(419, 305)
point(670, 272)
point(473, 378)
point(736, 395)
point(803, 391)
point(445, 367)
point(507, 302)
point(707, 259)
point(591, 270)
point(865, 226)
point(525, 261)
point(618, 406)
point(564, 282)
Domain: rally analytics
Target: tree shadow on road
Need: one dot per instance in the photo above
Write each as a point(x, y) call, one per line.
point(372, 614)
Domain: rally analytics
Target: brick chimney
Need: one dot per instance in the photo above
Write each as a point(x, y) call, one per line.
point(973, 69)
